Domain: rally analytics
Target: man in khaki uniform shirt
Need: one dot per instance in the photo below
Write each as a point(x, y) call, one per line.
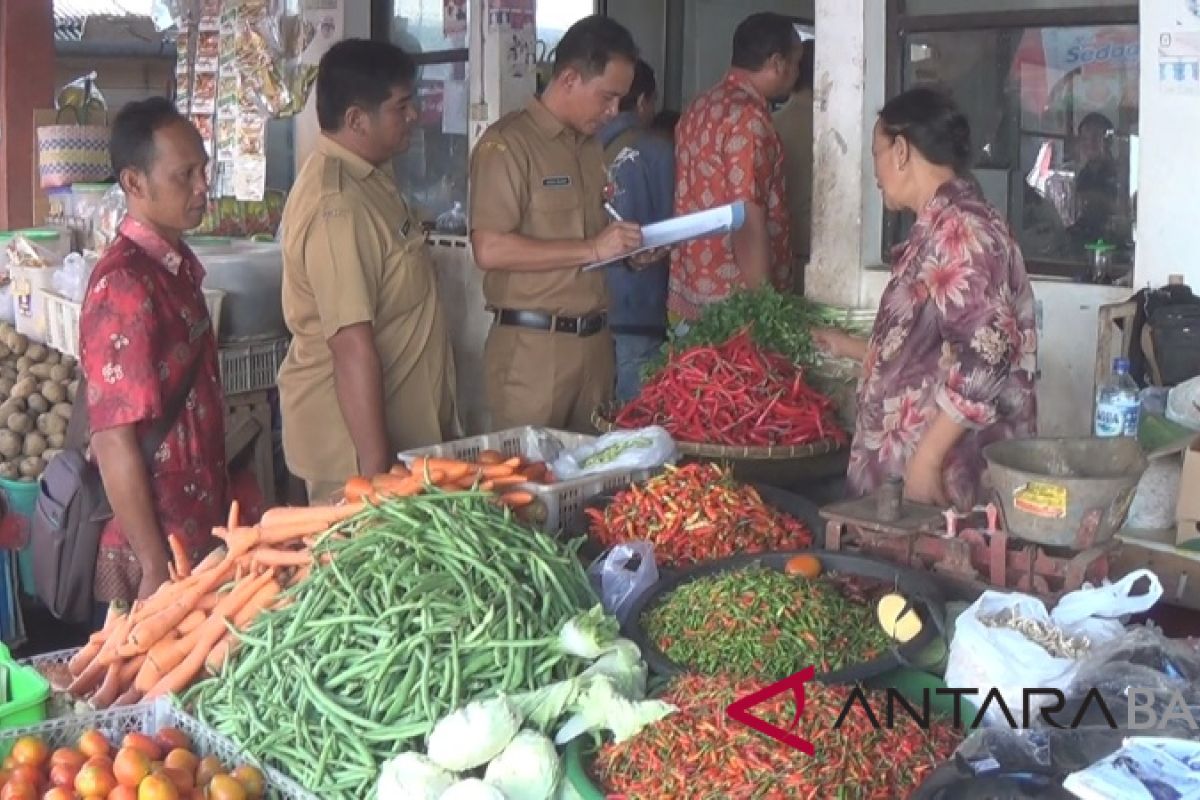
point(370, 370)
point(538, 181)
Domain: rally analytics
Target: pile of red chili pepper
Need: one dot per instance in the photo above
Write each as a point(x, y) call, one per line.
point(700, 752)
point(696, 513)
point(733, 394)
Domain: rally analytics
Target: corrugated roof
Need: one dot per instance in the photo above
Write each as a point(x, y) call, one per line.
point(70, 15)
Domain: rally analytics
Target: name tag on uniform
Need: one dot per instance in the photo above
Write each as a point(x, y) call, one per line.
point(557, 181)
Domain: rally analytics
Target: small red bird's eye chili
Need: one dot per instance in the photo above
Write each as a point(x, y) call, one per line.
point(696, 513)
point(700, 752)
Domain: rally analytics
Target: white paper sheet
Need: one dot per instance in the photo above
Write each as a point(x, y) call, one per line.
point(712, 222)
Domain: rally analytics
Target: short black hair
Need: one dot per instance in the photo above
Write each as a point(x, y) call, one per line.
point(930, 120)
point(761, 36)
point(643, 85)
point(1095, 120)
point(359, 72)
point(131, 139)
point(591, 43)
point(808, 67)
point(666, 121)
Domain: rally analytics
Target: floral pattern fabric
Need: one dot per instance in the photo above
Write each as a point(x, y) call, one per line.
point(727, 150)
point(144, 320)
point(955, 332)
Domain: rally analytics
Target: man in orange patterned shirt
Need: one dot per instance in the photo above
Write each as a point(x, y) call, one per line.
point(727, 150)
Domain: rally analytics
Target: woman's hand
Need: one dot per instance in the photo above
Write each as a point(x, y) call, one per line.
point(838, 344)
point(923, 482)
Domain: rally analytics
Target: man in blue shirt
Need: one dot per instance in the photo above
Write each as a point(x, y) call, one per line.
point(642, 176)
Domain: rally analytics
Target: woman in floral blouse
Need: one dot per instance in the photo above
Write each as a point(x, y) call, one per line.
point(951, 362)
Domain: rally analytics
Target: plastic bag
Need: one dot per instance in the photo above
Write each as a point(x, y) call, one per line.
point(71, 281)
point(106, 218)
point(24, 253)
point(539, 444)
point(1183, 404)
point(278, 44)
point(1153, 506)
point(646, 448)
point(622, 575)
point(1145, 767)
point(984, 657)
point(453, 222)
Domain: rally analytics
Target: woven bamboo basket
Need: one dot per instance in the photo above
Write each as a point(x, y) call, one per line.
point(603, 416)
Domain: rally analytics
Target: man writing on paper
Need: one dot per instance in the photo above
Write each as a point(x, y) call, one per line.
point(537, 216)
point(642, 169)
point(727, 150)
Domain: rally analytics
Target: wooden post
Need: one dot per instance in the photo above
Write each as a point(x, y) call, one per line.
point(26, 83)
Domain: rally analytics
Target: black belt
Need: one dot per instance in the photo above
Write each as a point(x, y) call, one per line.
point(589, 325)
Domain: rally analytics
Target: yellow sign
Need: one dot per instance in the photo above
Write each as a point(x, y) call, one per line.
point(1044, 500)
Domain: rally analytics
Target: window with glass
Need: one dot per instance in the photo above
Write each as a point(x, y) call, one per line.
point(433, 173)
point(1052, 98)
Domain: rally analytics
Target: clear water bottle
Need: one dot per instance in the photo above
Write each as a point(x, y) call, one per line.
point(1118, 405)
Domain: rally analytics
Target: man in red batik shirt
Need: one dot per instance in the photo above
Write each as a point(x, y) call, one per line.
point(726, 149)
point(145, 332)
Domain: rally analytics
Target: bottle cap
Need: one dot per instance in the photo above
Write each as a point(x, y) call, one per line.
point(1121, 365)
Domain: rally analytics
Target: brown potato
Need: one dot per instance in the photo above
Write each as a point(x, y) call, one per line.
point(38, 403)
point(20, 423)
point(63, 410)
point(25, 387)
point(60, 374)
point(35, 444)
point(32, 467)
point(54, 392)
point(56, 440)
point(10, 444)
point(9, 470)
point(40, 371)
point(19, 344)
point(37, 352)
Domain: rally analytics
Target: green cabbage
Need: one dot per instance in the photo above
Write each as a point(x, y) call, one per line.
point(528, 769)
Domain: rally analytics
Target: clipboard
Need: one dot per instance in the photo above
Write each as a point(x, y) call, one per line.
point(698, 225)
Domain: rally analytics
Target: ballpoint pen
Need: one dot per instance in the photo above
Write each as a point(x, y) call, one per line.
point(612, 212)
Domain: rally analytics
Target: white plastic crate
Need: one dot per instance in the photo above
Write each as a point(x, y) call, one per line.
point(253, 367)
point(114, 723)
point(565, 500)
point(62, 318)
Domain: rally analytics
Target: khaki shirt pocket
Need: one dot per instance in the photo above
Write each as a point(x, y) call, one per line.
point(555, 213)
point(410, 276)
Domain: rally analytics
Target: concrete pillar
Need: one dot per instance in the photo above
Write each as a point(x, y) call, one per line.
point(26, 83)
point(848, 89)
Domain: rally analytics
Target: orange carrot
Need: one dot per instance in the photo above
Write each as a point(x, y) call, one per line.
point(327, 515)
point(514, 463)
point(498, 471)
point(491, 457)
point(193, 620)
point(88, 679)
point(235, 512)
point(86, 654)
point(131, 697)
point(465, 483)
point(274, 557)
point(109, 689)
point(209, 561)
point(400, 471)
point(451, 468)
point(180, 557)
point(217, 657)
point(257, 593)
point(206, 603)
point(494, 484)
point(534, 472)
point(129, 670)
point(299, 575)
point(517, 499)
point(388, 486)
point(357, 488)
point(150, 629)
point(165, 654)
point(120, 632)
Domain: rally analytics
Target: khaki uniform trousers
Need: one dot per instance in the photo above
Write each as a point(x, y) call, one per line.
point(555, 380)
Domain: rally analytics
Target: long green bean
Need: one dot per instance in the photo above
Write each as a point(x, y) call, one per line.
point(428, 603)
